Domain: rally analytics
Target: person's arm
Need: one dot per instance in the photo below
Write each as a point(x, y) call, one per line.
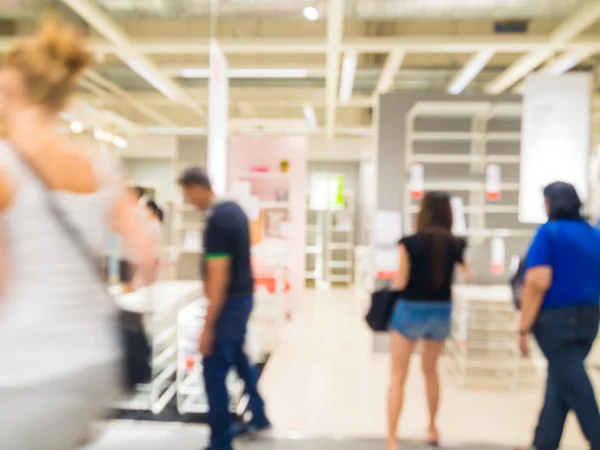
point(137, 239)
point(400, 280)
point(6, 198)
point(217, 262)
point(461, 264)
point(537, 281)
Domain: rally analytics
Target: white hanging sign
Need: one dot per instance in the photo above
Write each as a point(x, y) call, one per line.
point(459, 220)
point(218, 114)
point(556, 134)
point(173, 256)
point(493, 175)
point(497, 255)
point(417, 181)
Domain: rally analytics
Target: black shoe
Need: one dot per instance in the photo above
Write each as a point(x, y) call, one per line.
point(252, 428)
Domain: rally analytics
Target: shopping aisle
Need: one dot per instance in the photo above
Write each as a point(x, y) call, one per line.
point(153, 436)
point(324, 380)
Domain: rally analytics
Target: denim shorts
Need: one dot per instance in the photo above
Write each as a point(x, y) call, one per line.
point(428, 320)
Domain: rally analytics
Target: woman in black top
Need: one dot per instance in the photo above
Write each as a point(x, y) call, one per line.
point(423, 313)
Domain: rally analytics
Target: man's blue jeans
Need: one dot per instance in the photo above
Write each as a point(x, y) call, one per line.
point(566, 336)
point(228, 353)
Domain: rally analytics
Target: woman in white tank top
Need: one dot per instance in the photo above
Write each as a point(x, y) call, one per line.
point(58, 341)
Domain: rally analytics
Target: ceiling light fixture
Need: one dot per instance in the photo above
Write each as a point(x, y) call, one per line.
point(310, 117)
point(311, 13)
point(470, 71)
point(119, 142)
point(348, 75)
point(566, 62)
point(77, 127)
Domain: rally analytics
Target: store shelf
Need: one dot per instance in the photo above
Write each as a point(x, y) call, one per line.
point(264, 176)
point(465, 109)
point(445, 136)
point(339, 264)
point(503, 137)
point(466, 158)
point(483, 350)
point(334, 246)
point(274, 205)
point(339, 278)
point(466, 186)
point(313, 250)
point(477, 209)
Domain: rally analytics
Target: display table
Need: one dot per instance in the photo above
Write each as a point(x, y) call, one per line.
point(160, 305)
point(483, 349)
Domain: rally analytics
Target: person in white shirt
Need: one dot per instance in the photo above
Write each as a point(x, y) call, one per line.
point(127, 264)
point(59, 346)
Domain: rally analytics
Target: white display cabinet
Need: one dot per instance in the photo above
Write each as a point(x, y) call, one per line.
point(160, 305)
point(484, 349)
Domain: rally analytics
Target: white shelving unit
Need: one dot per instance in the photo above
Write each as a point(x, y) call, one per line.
point(474, 149)
point(339, 243)
point(483, 348)
point(315, 230)
point(189, 387)
point(160, 305)
point(187, 227)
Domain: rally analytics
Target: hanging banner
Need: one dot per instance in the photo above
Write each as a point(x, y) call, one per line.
point(218, 114)
point(493, 176)
point(497, 255)
point(417, 181)
point(555, 142)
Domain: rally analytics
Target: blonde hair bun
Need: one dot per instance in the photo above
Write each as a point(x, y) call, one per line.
point(63, 45)
point(50, 62)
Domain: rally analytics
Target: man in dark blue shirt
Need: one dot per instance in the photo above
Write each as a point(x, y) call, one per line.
point(228, 287)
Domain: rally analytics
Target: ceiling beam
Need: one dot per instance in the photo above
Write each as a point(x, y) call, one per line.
point(294, 131)
point(121, 94)
point(270, 97)
point(469, 71)
point(380, 44)
point(135, 59)
point(335, 34)
point(388, 74)
point(565, 32)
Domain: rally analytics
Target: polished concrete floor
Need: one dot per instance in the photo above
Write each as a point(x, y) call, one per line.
point(156, 436)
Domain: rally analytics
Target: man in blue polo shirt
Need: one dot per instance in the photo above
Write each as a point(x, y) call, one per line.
point(228, 287)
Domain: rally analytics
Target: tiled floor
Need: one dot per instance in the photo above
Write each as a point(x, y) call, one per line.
point(152, 436)
point(324, 381)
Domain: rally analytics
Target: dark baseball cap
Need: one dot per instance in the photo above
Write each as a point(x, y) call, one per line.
point(195, 176)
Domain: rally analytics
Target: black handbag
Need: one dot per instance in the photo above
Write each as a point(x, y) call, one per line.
point(382, 306)
point(136, 348)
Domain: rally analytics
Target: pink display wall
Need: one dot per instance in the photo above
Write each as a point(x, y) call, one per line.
point(246, 152)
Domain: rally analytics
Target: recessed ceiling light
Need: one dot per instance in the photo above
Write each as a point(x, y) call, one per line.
point(311, 13)
point(77, 127)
